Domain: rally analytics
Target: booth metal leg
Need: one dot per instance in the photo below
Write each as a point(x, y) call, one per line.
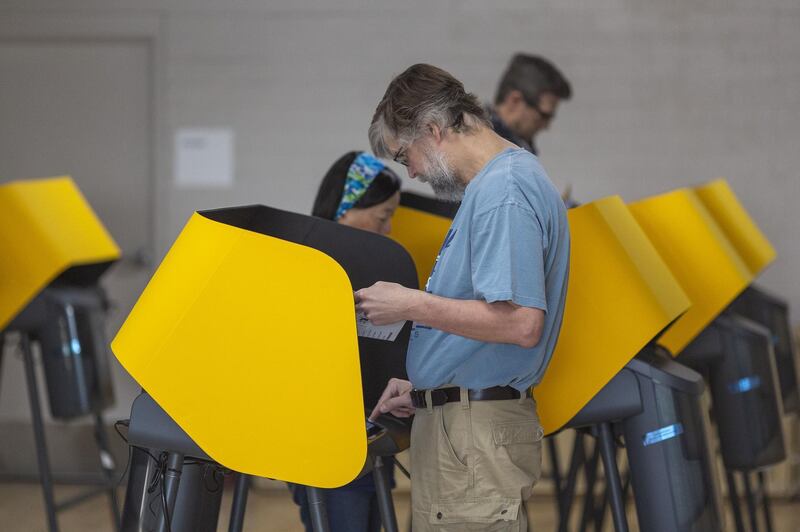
point(555, 466)
point(752, 507)
point(600, 513)
point(108, 467)
point(384, 494)
point(591, 481)
point(319, 513)
point(613, 485)
point(239, 504)
point(141, 471)
point(568, 494)
point(2, 352)
point(733, 496)
point(626, 486)
point(171, 481)
point(45, 474)
point(762, 489)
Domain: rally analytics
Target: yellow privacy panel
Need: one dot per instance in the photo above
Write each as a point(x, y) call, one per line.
point(46, 227)
point(620, 296)
point(699, 255)
point(246, 341)
point(736, 223)
point(422, 234)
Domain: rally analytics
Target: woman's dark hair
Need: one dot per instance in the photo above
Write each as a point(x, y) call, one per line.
point(330, 190)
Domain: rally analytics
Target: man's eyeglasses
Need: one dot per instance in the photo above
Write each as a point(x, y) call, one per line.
point(400, 156)
point(547, 117)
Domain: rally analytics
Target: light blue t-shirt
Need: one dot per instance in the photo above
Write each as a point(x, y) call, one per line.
point(509, 241)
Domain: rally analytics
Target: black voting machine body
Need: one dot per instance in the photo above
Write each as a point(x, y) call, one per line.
point(736, 357)
point(773, 313)
point(194, 497)
point(670, 468)
point(67, 321)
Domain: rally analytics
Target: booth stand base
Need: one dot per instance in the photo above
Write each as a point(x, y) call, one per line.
point(736, 356)
point(45, 473)
point(754, 499)
point(654, 403)
point(196, 506)
point(190, 504)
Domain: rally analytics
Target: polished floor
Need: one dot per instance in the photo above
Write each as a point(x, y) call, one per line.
point(269, 510)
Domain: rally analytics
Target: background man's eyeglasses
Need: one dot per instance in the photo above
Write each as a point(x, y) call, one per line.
point(547, 117)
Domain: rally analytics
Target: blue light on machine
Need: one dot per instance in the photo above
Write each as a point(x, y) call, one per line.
point(745, 385)
point(665, 433)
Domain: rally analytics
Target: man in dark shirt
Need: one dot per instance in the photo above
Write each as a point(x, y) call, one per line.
point(527, 99)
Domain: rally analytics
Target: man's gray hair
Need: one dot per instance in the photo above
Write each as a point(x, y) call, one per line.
point(422, 96)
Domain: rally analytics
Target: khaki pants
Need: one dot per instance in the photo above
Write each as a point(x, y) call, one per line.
point(474, 465)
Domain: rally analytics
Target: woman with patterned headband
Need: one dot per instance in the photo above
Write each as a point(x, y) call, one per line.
point(360, 191)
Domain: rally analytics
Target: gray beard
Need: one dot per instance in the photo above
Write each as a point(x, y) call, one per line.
point(444, 182)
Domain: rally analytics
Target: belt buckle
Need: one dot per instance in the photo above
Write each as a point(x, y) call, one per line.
point(418, 398)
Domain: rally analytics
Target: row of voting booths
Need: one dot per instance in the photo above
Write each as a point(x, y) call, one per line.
point(251, 361)
point(661, 306)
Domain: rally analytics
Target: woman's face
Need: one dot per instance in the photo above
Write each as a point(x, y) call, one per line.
point(377, 218)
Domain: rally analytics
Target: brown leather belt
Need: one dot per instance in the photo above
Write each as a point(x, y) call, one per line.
point(440, 396)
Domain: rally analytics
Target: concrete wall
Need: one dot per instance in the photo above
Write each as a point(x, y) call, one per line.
point(665, 96)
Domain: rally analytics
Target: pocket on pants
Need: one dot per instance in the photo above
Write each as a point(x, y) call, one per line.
point(522, 440)
point(495, 515)
point(455, 475)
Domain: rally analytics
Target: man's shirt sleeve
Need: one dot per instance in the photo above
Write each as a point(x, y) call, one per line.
point(507, 256)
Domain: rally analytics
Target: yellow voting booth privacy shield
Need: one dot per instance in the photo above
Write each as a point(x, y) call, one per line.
point(740, 229)
point(46, 228)
point(421, 234)
point(238, 315)
point(700, 256)
point(620, 296)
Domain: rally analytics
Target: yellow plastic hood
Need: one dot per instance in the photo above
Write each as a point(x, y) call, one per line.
point(422, 234)
point(731, 216)
point(249, 343)
point(699, 255)
point(46, 227)
point(620, 296)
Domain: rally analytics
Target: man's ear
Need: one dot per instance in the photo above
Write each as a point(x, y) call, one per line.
point(436, 133)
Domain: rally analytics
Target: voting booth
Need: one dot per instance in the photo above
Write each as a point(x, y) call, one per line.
point(621, 296)
point(755, 303)
point(772, 313)
point(657, 403)
point(735, 355)
point(714, 274)
point(248, 346)
point(53, 251)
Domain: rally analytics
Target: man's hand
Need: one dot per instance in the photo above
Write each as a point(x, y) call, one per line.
point(395, 400)
point(385, 303)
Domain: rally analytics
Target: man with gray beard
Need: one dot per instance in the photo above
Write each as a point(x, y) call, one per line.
point(487, 322)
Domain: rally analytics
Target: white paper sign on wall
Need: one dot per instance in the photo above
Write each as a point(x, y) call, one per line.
point(204, 157)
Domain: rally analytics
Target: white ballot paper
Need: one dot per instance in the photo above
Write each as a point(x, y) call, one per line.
point(380, 332)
